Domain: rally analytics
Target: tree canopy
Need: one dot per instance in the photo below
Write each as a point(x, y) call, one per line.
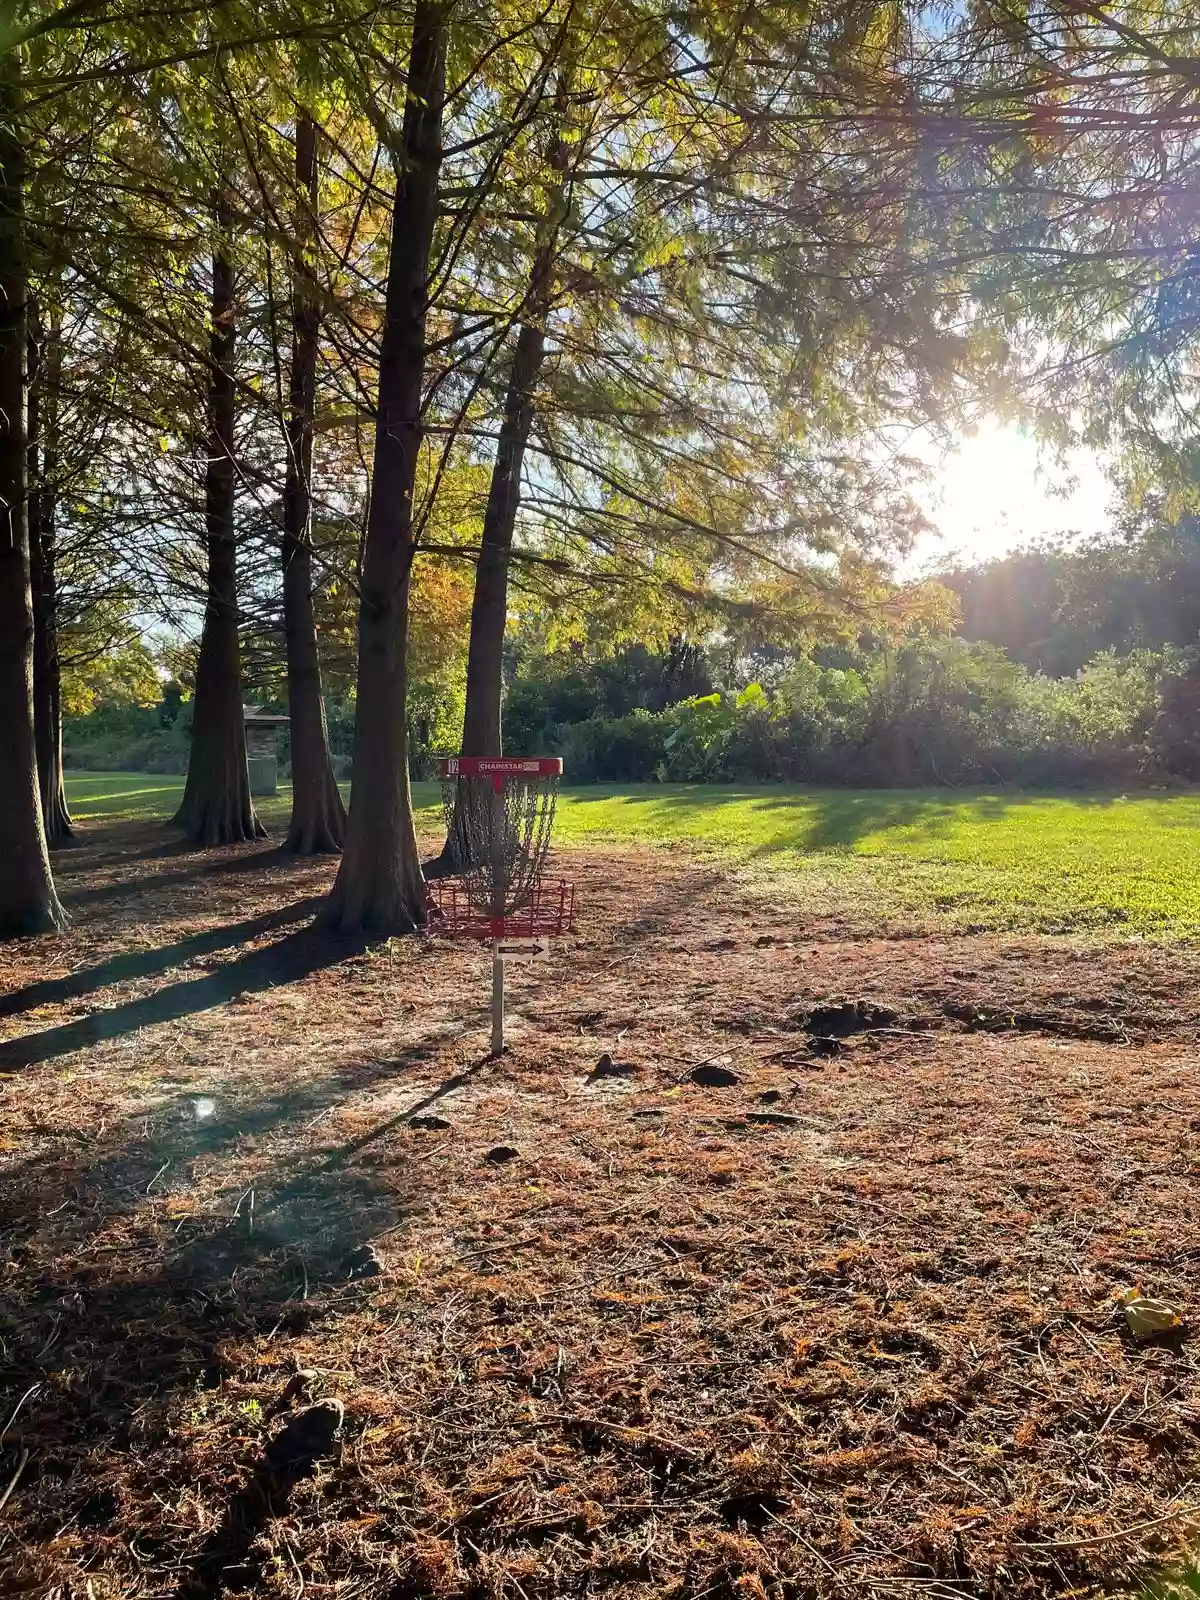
point(344, 345)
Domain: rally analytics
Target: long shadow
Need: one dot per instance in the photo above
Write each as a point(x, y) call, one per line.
point(226, 1559)
point(836, 824)
point(842, 819)
point(124, 845)
point(287, 960)
point(802, 819)
point(109, 837)
point(227, 1554)
point(162, 1146)
point(836, 821)
point(828, 819)
point(174, 1311)
point(151, 1317)
point(273, 860)
point(457, 1080)
point(148, 963)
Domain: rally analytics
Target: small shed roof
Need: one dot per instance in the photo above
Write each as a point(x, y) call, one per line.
point(254, 718)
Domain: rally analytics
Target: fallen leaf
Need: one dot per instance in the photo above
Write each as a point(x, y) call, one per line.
point(1147, 1316)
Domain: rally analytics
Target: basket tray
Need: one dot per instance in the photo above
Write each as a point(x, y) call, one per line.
point(550, 909)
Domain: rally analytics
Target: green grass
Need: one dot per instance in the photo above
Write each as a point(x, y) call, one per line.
point(109, 796)
point(1051, 862)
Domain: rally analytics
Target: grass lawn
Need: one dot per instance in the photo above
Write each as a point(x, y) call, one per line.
point(975, 859)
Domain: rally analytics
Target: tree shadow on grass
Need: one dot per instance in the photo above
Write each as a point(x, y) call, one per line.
point(817, 819)
point(129, 805)
point(838, 821)
point(835, 822)
point(799, 819)
point(286, 960)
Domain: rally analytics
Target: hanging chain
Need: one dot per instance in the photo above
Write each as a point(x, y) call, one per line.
point(504, 837)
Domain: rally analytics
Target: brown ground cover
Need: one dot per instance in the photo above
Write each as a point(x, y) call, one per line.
point(302, 1295)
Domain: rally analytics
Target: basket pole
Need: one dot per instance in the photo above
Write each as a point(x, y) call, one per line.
point(500, 889)
point(497, 1000)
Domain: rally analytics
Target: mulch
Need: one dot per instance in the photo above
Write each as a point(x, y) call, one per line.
point(774, 1257)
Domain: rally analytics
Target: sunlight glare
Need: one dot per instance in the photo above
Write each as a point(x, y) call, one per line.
point(1001, 488)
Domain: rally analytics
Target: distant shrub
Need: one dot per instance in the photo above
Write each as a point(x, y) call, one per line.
point(616, 749)
point(944, 711)
point(1175, 735)
point(129, 738)
point(933, 711)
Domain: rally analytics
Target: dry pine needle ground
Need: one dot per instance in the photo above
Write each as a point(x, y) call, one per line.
point(843, 1325)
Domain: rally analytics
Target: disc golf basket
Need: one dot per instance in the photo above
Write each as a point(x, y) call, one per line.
point(499, 812)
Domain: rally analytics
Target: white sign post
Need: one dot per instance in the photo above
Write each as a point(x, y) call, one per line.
point(504, 951)
point(523, 949)
point(497, 999)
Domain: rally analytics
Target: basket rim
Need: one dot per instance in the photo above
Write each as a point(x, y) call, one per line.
point(500, 766)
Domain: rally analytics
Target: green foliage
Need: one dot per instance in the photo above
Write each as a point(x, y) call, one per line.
point(127, 676)
point(119, 736)
point(934, 711)
point(957, 712)
point(617, 749)
point(123, 737)
point(1175, 739)
point(1054, 607)
point(1181, 1584)
point(554, 690)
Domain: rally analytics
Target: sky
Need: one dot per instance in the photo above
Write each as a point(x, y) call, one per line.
point(1001, 489)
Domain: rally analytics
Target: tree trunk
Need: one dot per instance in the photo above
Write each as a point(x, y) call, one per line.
point(216, 806)
point(28, 903)
point(318, 817)
point(489, 607)
point(379, 887)
point(44, 366)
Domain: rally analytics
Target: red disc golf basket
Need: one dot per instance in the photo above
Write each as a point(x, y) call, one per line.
point(499, 813)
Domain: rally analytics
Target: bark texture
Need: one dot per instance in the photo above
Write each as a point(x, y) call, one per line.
point(28, 903)
point(216, 807)
point(482, 734)
point(318, 822)
point(379, 887)
point(489, 606)
point(44, 363)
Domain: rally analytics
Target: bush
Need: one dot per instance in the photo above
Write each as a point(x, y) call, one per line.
point(126, 738)
point(558, 692)
point(935, 712)
point(616, 749)
point(1175, 735)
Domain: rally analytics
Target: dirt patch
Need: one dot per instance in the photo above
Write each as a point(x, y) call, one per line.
point(863, 1342)
point(1068, 1025)
point(840, 1019)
